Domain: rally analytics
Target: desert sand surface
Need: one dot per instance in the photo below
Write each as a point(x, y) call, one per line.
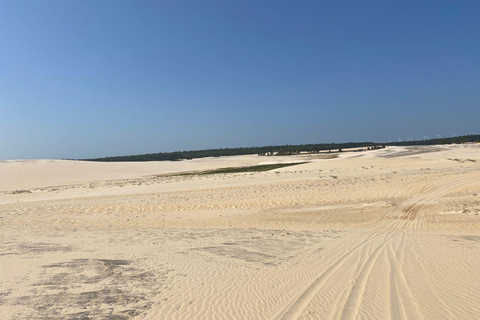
point(384, 234)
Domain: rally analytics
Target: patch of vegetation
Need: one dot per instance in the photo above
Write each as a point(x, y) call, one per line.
point(452, 140)
point(20, 191)
point(330, 155)
point(258, 168)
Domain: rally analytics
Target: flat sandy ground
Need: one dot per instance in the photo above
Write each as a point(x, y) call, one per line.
point(385, 234)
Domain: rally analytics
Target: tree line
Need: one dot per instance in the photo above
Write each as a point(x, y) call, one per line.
point(278, 150)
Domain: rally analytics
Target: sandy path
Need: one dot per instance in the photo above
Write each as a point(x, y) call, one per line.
point(360, 237)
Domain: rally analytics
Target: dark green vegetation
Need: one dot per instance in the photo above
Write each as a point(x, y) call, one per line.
point(269, 150)
point(259, 168)
point(280, 150)
point(450, 140)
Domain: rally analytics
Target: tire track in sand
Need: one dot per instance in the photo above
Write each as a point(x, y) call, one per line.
point(379, 241)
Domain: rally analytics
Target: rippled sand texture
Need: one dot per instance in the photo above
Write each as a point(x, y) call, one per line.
point(385, 234)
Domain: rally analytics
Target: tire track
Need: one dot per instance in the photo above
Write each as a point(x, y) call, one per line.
point(398, 225)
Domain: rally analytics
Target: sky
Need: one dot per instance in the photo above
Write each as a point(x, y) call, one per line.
point(82, 79)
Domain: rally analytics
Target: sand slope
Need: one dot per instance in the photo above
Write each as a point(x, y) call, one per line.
point(385, 234)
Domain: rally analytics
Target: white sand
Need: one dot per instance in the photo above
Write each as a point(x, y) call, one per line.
point(384, 234)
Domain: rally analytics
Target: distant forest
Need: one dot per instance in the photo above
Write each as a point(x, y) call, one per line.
point(280, 150)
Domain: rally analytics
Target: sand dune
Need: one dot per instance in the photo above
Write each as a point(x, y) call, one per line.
point(384, 234)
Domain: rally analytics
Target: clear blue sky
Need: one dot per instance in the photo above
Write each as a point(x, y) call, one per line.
point(101, 78)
